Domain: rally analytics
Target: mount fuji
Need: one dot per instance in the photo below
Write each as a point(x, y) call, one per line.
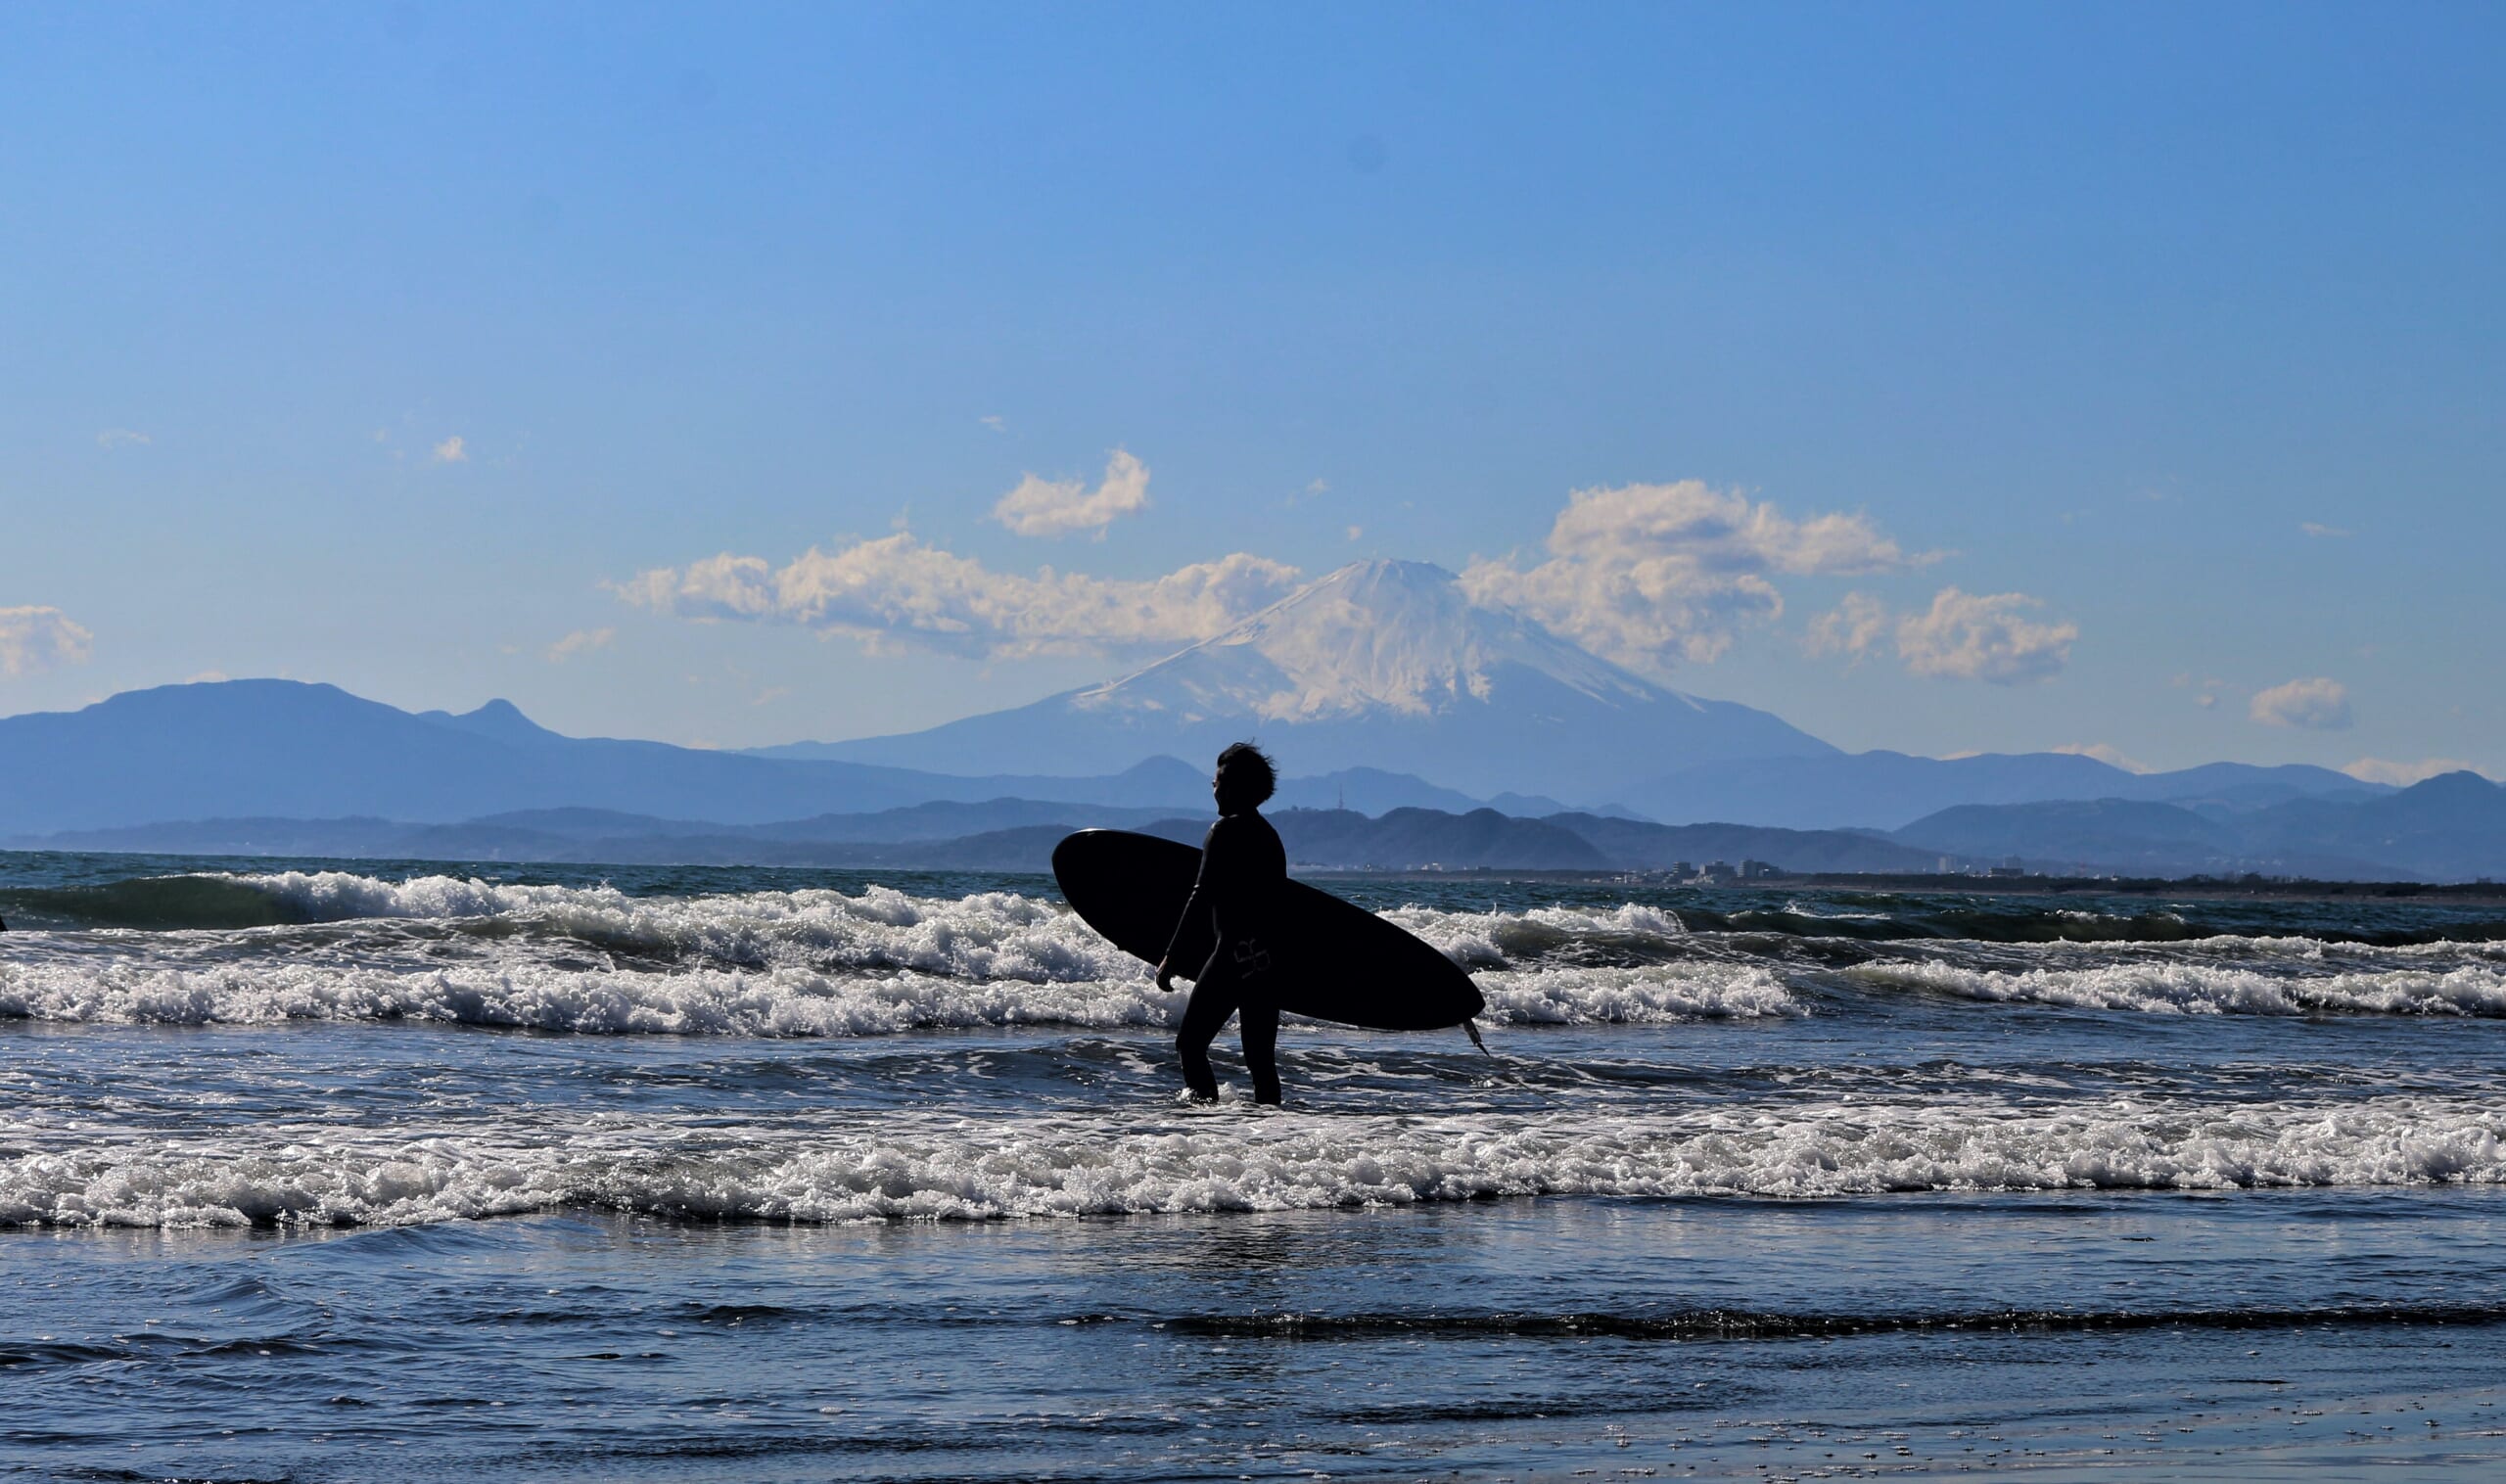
point(1378, 665)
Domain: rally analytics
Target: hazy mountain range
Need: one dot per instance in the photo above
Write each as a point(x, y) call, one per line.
point(1017, 835)
point(2450, 828)
point(1379, 687)
point(1380, 663)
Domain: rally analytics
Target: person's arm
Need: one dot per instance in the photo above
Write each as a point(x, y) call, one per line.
point(1196, 910)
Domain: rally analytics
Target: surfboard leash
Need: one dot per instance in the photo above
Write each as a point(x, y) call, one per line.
point(1470, 1028)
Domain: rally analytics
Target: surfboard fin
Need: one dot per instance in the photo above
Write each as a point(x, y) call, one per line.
point(1470, 1028)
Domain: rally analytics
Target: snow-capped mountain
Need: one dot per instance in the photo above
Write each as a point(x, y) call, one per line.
point(1378, 665)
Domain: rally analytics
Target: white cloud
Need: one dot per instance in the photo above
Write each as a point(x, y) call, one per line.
point(1855, 628)
point(579, 642)
point(1357, 533)
point(993, 421)
point(2404, 774)
point(114, 438)
point(452, 450)
point(1976, 637)
point(34, 640)
point(1963, 635)
point(206, 677)
point(897, 590)
point(2317, 704)
point(2208, 695)
point(2316, 528)
point(1650, 573)
point(2107, 753)
point(1049, 507)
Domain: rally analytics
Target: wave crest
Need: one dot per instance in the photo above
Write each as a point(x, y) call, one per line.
point(2202, 989)
point(1232, 1161)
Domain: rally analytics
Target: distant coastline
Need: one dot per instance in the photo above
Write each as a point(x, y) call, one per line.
point(2195, 888)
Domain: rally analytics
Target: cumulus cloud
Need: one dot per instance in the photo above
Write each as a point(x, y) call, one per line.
point(1856, 626)
point(452, 452)
point(1983, 636)
point(581, 641)
point(1963, 635)
point(1058, 507)
point(2404, 774)
point(2316, 703)
point(899, 591)
point(1650, 573)
point(34, 640)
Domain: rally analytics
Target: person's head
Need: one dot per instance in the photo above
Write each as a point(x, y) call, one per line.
point(1244, 778)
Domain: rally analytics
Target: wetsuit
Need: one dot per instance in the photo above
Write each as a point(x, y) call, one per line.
point(1244, 868)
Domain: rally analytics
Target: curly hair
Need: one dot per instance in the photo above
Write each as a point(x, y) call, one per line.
point(1244, 760)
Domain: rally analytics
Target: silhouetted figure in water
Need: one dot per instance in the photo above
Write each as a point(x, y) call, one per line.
point(1244, 868)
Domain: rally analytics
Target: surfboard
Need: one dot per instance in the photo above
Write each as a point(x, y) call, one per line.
point(1333, 960)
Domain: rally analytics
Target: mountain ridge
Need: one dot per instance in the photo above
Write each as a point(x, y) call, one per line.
point(1376, 661)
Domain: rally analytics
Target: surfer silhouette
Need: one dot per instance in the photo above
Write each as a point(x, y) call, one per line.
point(1244, 870)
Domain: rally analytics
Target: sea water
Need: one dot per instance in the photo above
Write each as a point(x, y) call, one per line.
point(367, 1170)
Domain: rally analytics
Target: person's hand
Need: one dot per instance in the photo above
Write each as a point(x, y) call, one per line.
point(1165, 979)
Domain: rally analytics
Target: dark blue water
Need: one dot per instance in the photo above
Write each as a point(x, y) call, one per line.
point(375, 1170)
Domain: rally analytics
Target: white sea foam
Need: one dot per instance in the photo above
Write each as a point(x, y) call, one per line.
point(1235, 1161)
point(529, 994)
point(1476, 940)
point(782, 1001)
point(775, 964)
point(987, 935)
point(2157, 984)
point(1635, 997)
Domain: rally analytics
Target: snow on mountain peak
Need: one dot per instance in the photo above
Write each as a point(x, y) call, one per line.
point(1370, 637)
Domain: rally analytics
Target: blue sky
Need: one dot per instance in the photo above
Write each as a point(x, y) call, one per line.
point(393, 345)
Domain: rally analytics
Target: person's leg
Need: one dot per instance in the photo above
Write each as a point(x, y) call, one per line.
point(1213, 1000)
point(1258, 1021)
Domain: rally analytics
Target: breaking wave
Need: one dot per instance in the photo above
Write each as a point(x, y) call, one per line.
point(1233, 1160)
point(2212, 989)
point(780, 1002)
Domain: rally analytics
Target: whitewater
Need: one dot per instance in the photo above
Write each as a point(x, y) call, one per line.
point(439, 1137)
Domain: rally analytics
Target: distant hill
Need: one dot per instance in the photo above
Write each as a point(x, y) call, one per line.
point(1885, 790)
point(278, 747)
point(1013, 835)
point(281, 768)
point(2124, 835)
point(2448, 828)
point(1644, 846)
point(271, 750)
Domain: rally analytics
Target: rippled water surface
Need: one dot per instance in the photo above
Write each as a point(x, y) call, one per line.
point(363, 1171)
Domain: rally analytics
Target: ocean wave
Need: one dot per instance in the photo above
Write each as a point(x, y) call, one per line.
point(1750, 1324)
point(2209, 988)
point(1233, 1160)
point(777, 1001)
point(1631, 932)
point(1635, 997)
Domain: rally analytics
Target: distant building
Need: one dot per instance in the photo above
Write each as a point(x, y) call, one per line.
point(1758, 871)
point(2004, 872)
